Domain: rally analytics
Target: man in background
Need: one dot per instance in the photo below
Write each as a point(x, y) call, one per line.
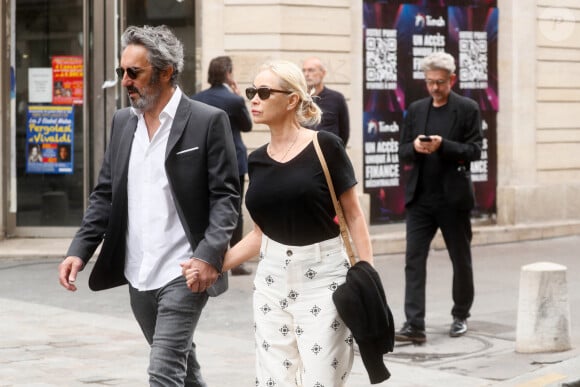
point(224, 94)
point(332, 103)
point(440, 138)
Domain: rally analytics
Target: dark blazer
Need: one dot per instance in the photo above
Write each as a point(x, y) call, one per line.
point(461, 143)
point(202, 172)
point(240, 121)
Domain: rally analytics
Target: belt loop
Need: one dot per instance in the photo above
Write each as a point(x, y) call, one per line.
point(317, 252)
point(265, 240)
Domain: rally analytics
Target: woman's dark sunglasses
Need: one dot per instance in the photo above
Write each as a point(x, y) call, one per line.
point(263, 92)
point(132, 72)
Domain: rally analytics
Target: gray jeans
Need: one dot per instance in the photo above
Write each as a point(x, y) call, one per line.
point(168, 317)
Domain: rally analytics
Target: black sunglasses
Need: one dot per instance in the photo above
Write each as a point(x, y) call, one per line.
point(263, 92)
point(132, 72)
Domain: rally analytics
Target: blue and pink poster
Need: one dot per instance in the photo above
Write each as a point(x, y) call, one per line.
point(49, 139)
point(397, 36)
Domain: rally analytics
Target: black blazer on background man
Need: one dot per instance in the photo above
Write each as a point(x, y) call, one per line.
point(462, 139)
point(201, 168)
point(234, 105)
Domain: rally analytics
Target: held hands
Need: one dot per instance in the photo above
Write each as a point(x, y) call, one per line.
point(68, 270)
point(427, 147)
point(199, 274)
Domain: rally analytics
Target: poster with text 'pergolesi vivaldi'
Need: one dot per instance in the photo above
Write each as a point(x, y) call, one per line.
point(49, 139)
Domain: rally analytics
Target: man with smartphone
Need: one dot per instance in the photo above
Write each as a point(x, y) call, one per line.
point(441, 135)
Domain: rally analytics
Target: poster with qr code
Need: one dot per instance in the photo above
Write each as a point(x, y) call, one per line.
point(473, 42)
point(382, 81)
point(381, 59)
point(472, 60)
point(383, 111)
point(423, 31)
point(397, 36)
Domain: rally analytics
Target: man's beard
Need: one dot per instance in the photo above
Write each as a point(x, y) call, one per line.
point(148, 95)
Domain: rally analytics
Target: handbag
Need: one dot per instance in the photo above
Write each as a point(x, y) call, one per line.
point(360, 300)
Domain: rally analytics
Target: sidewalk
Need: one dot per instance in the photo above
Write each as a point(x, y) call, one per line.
point(53, 338)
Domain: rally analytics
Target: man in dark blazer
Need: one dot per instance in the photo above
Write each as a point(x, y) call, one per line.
point(224, 94)
point(167, 195)
point(441, 135)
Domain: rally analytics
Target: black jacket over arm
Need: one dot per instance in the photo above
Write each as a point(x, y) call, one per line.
point(362, 305)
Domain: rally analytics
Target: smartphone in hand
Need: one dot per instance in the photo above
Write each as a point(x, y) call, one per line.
point(425, 139)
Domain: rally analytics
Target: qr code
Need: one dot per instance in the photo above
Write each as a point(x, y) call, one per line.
point(473, 58)
point(381, 60)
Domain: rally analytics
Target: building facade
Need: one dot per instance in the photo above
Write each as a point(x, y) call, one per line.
point(45, 42)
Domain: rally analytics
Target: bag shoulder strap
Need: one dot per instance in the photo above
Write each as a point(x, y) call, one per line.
point(337, 207)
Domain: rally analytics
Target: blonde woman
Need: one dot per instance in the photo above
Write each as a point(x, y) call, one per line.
point(300, 339)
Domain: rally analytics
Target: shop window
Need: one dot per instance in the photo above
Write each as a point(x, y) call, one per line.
point(48, 68)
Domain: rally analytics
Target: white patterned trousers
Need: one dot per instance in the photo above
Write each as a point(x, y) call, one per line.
point(300, 339)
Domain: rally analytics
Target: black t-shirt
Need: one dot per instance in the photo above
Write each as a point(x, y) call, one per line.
point(335, 118)
point(290, 201)
point(431, 175)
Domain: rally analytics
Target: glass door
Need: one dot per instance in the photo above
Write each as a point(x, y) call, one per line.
point(63, 58)
point(49, 77)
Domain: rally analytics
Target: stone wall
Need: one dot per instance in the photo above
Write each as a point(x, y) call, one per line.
point(538, 166)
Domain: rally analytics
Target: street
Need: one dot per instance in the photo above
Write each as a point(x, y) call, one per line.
point(51, 337)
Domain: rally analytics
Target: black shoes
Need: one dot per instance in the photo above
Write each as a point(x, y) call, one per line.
point(410, 333)
point(241, 270)
point(458, 327)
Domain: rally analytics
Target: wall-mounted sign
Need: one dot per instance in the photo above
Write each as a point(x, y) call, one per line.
point(397, 36)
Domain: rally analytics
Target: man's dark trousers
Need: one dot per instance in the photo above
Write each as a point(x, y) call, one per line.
point(424, 217)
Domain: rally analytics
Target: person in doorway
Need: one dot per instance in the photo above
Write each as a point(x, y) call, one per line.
point(224, 94)
point(335, 117)
point(167, 194)
point(302, 260)
point(441, 135)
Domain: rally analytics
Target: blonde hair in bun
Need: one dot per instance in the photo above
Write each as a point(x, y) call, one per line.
point(291, 78)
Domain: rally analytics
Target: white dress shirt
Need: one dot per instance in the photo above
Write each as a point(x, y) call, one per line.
point(156, 241)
